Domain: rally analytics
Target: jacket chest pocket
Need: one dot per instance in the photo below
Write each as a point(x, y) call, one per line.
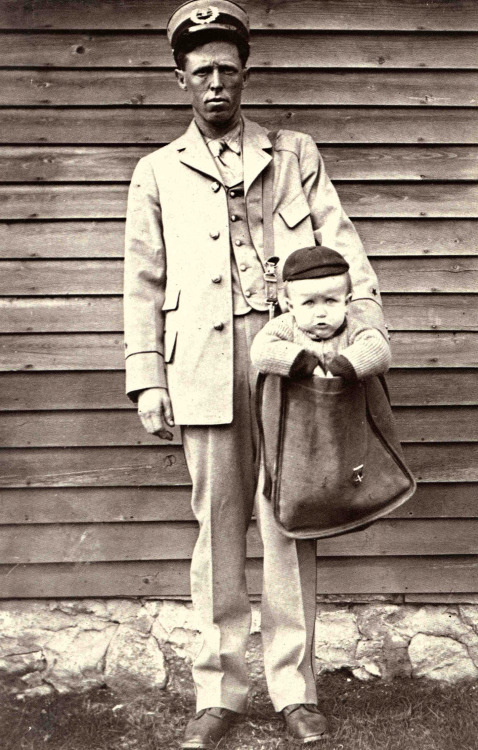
point(295, 211)
point(170, 310)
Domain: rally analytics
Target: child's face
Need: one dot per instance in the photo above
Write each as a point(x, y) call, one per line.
point(319, 305)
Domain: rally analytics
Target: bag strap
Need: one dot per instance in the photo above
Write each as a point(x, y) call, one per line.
point(270, 276)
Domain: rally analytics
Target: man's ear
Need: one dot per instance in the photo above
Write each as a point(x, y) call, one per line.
point(181, 79)
point(245, 77)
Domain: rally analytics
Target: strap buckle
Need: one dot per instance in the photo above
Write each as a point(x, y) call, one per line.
point(270, 278)
point(357, 475)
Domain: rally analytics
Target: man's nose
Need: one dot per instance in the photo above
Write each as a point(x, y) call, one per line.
point(215, 82)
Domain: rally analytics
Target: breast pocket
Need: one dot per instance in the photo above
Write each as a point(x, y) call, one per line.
point(295, 211)
point(170, 310)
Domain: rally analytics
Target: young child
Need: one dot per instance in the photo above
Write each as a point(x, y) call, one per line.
point(315, 336)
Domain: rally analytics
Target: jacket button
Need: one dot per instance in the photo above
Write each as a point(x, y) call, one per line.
point(214, 235)
point(247, 293)
point(216, 279)
point(243, 267)
point(218, 326)
point(238, 243)
point(234, 217)
point(232, 194)
point(215, 186)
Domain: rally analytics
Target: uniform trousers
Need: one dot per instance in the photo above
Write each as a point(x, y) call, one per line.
point(221, 463)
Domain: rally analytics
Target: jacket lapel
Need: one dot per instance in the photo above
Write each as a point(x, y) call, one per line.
point(195, 154)
point(256, 157)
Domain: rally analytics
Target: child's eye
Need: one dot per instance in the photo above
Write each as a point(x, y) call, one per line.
point(330, 301)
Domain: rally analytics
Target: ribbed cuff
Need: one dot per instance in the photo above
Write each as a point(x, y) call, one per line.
point(303, 365)
point(341, 366)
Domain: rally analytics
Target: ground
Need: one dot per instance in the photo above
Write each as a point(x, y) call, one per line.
point(403, 714)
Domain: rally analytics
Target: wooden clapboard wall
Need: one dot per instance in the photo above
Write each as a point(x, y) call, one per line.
point(90, 504)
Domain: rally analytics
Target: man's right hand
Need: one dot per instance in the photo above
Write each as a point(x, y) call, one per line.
point(155, 412)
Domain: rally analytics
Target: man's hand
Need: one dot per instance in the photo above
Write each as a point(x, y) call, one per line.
point(155, 412)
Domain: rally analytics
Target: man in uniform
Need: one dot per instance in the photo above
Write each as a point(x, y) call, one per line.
point(194, 300)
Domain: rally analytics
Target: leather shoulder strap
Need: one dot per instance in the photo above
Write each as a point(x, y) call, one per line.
point(267, 201)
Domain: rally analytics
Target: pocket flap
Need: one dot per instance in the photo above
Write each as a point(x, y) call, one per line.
point(295, 211)
point(171, 298)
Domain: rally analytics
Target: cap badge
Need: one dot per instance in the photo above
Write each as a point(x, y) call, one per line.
point(205, 15)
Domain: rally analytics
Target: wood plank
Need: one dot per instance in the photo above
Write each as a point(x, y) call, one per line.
point(99, 390)
point(434, 200)
point(61, 352)
point(96, 351)
point(156, 125)
point(438, 312)
point(308, 14)
point(105, 277)
point(431, 387)
point(87, 467)
point(39, 505)
point(96, 505)
point(87, 428)
point(163, 578)
point(283, 86)
point(423, 349)
point(65, 277)
point(406, 312)
point(442, 462)
point(165, 465)
point(35, 391)
point(65, 543)
point(116, 163)
point(62, 239)
point(317, 49)
point(432, 274)
point(42, 429)
point(105, 239)
point(108, 201)
point(417, 236)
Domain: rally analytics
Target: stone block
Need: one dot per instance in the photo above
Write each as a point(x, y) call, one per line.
point(336, 639)
point(75, 658)
point(440, 658)
point(21, 664)
point(134, 662)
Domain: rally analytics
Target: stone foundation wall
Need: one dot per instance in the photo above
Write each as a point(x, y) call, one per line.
point(74, 645)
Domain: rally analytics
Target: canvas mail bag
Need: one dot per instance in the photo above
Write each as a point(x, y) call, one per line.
point(331, 456)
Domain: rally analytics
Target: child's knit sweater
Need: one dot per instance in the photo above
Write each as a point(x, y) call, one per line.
point(354, 352)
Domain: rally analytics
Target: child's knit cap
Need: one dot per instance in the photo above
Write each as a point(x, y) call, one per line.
point(314, 263)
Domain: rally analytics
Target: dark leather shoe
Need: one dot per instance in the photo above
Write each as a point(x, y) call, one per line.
point(204, 730)
point(305, 722)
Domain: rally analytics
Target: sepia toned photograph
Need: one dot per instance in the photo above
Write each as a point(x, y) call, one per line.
point(239, 374)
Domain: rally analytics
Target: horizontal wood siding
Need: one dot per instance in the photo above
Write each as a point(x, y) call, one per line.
point(90, 505)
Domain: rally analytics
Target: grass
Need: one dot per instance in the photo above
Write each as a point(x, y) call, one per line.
point(402, 715)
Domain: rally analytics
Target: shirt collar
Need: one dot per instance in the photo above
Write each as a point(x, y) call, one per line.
point(233, 139)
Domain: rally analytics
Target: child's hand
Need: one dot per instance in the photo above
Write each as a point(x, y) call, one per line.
point(319, 372)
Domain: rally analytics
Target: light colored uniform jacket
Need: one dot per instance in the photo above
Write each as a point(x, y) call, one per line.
point(178, 316)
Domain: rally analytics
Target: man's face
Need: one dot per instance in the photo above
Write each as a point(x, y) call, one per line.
point(215, 78)
point(319, 305)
